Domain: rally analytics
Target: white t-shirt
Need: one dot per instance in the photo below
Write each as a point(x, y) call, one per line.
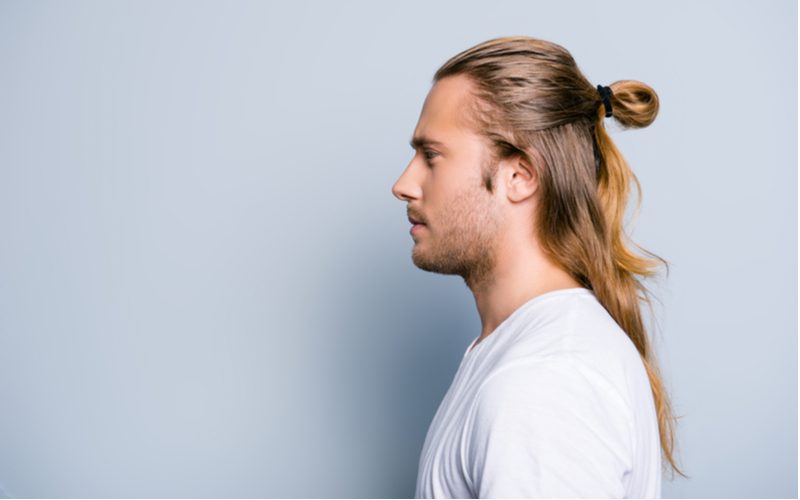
point(554, 403)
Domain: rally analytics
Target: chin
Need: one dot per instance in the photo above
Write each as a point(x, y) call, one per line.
point(419, 259)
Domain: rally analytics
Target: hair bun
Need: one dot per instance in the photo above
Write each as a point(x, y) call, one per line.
point(635, 103)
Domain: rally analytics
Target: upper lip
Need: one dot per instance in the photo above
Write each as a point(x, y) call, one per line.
point(413, 220)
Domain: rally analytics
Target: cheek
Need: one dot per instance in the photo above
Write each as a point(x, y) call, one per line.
point(450, 205)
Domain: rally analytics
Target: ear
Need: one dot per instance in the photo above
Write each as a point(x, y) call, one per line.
point(522, 179)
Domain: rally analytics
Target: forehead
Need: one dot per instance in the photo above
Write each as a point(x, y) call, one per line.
point(444, 113)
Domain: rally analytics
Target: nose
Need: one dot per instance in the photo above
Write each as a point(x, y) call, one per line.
point(407, 186)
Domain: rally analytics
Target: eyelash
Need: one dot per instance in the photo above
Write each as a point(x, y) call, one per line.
point(426, 153)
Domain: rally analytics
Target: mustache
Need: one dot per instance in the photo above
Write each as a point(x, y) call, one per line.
point(412, 214)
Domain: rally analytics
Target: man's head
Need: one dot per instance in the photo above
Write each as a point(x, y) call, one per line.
point(451, 185)
point(522, 152)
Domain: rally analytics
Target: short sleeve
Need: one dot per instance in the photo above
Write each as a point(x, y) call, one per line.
point(552, 429)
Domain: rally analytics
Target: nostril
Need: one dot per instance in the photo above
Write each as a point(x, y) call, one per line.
point(400, 195)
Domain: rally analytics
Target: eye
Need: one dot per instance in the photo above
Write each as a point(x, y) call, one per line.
point(429, 155)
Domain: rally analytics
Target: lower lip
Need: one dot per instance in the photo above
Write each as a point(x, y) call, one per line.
point(416, 228)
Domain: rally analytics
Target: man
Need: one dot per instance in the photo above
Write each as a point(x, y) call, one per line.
point(552, 399)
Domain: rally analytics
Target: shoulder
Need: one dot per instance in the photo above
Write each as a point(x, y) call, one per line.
point(581, 347)
point(550, 386)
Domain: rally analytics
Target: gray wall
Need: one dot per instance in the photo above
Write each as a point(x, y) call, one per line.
point(205, 283)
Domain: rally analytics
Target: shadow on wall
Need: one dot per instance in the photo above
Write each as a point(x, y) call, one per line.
point(404, 331)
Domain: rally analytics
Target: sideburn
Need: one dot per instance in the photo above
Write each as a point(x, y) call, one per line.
point(488, 171)
point(487, 182)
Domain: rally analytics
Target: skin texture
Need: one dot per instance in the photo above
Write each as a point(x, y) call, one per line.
point(486, 238)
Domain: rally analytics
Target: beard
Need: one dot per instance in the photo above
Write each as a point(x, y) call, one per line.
point(463, 240)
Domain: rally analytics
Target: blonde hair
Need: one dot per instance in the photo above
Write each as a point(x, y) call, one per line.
point(531, 100)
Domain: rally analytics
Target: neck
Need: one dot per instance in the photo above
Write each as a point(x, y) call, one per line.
point(520, 273)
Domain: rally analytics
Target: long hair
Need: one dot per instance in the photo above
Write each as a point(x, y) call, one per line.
point(532, 101)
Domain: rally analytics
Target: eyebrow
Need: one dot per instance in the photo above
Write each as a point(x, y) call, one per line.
point(421, 141)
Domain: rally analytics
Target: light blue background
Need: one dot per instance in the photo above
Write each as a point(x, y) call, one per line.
point(206, 287)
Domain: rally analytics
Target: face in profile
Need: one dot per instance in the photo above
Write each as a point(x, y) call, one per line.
point(444, 188)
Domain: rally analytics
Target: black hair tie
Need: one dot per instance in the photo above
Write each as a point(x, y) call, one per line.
point(605, 93)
